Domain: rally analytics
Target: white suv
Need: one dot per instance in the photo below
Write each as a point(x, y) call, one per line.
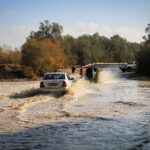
point(131, 66)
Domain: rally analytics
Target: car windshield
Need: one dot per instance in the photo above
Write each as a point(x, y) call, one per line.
point(54, 76)
point(130, 62)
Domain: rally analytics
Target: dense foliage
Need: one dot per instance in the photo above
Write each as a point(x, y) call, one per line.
point(94, 48)
point(46, 49)
point(43, 50)
point(42, 55)
point(48, 31)
point(143, 57)
point(9, 55)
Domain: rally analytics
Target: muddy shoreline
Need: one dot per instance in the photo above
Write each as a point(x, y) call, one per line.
point(13, 76)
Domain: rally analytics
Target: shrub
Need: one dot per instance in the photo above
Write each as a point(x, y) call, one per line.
point(9, 56)
point(43, 55)
point(28, 72)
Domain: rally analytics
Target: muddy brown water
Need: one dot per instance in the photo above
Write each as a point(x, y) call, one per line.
point(113, 114)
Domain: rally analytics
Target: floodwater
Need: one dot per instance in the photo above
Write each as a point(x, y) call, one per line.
point(113, 114)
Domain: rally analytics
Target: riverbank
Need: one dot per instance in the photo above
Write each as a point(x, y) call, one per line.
point(17, 73)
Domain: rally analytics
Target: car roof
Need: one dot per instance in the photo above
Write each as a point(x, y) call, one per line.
point(56, 73)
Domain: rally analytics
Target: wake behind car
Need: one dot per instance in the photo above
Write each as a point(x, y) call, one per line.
point(56, 82)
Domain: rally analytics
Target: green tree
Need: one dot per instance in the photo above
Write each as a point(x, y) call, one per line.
point(143, 57)
point(47, 30)
point(69, 43)
point(95, 48)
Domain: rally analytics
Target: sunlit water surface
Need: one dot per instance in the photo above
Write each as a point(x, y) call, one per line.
point(111, 114)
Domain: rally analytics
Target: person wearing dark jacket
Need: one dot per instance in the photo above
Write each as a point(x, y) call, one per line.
point(73, 69)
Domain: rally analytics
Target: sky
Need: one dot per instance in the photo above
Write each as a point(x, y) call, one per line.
point(128, 18)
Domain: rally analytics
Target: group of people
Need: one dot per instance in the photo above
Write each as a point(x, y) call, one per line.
point(91, 73)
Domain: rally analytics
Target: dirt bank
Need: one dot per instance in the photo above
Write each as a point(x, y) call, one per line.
point(13, 72)
point(10, 71)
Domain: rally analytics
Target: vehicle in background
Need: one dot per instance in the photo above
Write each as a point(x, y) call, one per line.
point(130, 66)
point(56, 82)
point(90, 72)
point(122, 67)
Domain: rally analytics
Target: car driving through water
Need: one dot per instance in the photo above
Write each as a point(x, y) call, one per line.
point(56, 82)
point(91, 72)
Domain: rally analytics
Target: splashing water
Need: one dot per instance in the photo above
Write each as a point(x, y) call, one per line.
point(107, 77)
point(115, 107)
point(79, 87)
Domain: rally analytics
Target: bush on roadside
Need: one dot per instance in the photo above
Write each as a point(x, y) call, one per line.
point(29, 73)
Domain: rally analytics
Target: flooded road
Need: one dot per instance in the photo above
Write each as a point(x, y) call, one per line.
point(109, 115)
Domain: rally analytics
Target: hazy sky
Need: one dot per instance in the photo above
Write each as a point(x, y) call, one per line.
point(127, 18)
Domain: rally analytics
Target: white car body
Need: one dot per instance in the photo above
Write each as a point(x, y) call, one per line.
point(56, 82)
point(131, 65)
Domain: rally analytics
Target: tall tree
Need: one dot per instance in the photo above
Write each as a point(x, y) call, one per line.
point(47, 30)
point(147, 30)
point(143, 57)
point(43, 55)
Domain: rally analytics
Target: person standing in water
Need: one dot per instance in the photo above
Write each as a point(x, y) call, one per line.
point(73, 69)
point(96, 76)
point(81, 72)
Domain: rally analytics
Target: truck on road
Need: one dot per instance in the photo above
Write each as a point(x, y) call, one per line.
point(129, 67)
